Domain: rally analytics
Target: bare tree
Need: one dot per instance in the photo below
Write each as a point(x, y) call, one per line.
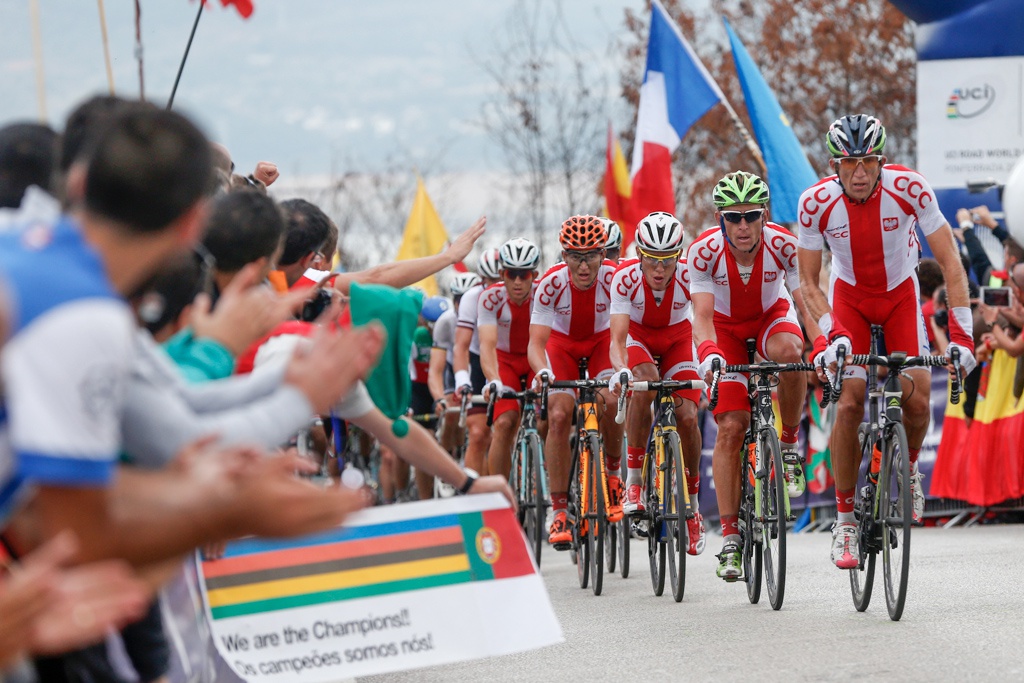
point(547, 117)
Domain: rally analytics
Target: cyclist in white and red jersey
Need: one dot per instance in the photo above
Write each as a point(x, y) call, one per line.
point(469, 377)
point(651, 339)
point(867, 213)
point(739, 273)
point(613, 247)
point(570, 322)
point(504, 324)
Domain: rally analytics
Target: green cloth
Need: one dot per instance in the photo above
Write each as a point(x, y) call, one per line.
point(398, 311)
point(199, 359)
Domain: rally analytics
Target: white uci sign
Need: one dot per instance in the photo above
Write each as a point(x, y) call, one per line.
point(970, 119)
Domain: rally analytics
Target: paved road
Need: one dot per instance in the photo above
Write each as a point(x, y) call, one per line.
point(964, 620)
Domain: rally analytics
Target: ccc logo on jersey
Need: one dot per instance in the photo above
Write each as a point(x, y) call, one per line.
point(492, 301)
point(629, 280)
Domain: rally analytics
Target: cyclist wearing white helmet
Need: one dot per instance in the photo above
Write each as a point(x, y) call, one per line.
point(613, 248)
point(868, 213)
point(469, 377)
point(652, 339)
point(504, 325)
point(739, 272)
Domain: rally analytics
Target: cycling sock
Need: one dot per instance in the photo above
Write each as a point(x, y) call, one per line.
point(914, 452)
point(844, 505)
point(635, 457)
point(612, 465)
point(693, 488)
point(730, 525)
point(731, 538)
point(559, 501)
point(790, 435)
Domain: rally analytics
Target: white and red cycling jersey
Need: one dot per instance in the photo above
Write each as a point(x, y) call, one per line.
point(874, 244)
point(468, 315)
point(512, 320)
point(631, 295)
point(713, 270)
point(568, 311)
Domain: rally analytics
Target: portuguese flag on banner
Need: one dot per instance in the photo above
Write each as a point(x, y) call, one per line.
point(983, 463)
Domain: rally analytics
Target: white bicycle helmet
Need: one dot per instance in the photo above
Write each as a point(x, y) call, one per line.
point(659, 231)
point(519, 253)
point(463, 282)
point(489, 265)
point(614, 234)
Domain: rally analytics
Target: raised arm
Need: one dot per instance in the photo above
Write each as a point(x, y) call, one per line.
point(400, 274)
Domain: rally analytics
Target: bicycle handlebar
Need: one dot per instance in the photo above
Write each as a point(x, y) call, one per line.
point(716, 377)
point(957, 383)
point(765, 368)
point(671, 385)
point(620, 412)
point(898, 361)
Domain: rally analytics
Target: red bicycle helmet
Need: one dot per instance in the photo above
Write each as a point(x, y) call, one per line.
point(583, 233)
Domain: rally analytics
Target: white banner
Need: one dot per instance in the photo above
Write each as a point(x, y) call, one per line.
point(970, 119)
point(397, 587)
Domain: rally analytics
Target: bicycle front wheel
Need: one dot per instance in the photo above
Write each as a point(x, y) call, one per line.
point(655, 548)
point(773, 516)
point(624, 525)
point(675, 511)
point(750, 531)
point(533, 500)
point(863, 575)
point(578, 522)
point(597, 522)
point(896, 508)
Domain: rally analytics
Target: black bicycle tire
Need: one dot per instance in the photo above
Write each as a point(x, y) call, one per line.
point(624, 525)
point(655, 548)
point(677, 539)
point(598, 527)
point(751, 550)
point(515, 476)
point(537, 514)
point(862, 577)
point(896, 595)
point(774, 564)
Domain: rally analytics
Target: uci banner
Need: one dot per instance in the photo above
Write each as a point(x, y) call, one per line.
point(395, 588)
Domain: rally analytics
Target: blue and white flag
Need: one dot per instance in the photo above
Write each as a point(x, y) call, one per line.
point(789, 171)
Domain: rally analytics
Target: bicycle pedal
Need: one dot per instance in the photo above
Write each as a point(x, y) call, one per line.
point(562, 546)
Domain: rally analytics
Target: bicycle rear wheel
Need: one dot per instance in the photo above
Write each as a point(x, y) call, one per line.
point(597, 522)
point(773, 516)
point(534, 502)
point(655, 548)
point(578, 522)
point(862, 577)
point(896, 508)
point(674, 500)
point(624, 525)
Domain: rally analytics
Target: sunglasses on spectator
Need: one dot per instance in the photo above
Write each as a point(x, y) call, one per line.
point(660, 260)
point(871, 162)
point(578, 257)
point(751, 216)
point(518, 273)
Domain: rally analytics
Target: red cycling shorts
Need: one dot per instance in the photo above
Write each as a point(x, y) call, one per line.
point(512, 368)
point(732, 340)
point(564, 355)
point(673, 346)
point(898, 312)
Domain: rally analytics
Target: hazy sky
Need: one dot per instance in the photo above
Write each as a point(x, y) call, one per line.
point(310, 84)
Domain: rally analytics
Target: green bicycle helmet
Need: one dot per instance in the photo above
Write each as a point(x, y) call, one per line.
point(740, 187)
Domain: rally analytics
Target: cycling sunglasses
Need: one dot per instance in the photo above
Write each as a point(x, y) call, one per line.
point(660, 260)
point(871, 162)
point(518, 273)
point(578, 257)
point(751, 216)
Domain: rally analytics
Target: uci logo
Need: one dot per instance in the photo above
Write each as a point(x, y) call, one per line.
point(890, 224)
point(966, 103)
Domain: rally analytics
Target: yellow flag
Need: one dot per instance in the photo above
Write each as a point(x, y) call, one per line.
point(424, 235)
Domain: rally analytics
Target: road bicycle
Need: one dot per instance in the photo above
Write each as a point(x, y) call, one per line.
point(666, 497)
point(764, 499)
point(528, 474)
point(885, 508)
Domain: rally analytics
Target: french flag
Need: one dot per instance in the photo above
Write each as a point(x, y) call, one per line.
point(677, 91)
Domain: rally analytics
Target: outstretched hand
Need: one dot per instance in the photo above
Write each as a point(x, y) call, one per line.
point(463, 244)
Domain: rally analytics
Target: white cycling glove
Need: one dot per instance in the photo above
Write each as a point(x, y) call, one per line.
point(967, 360)
point(831, 353)
point(705, 366)
point(494, 386)
point(543, 372)
point(614, 380)
point(462, 382)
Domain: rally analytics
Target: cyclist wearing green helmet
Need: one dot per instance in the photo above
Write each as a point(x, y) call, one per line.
point(869, 214)
point(738, 280)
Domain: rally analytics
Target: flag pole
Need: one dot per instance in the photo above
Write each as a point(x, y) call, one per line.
point(37, 49)
point(170, 102)
point(138, 49)
point(748, 139)
point(106, 46)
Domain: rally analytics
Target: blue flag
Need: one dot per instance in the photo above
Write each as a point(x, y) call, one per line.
point(789, 172)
